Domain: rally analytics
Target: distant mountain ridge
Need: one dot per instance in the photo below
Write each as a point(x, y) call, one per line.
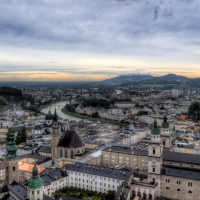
point(148, 79)
point(127, 78)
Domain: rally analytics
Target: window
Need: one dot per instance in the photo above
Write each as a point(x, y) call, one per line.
point(153, 180)
point(189, 184)
point(163, 143)
point(38, 192)
point(32, 192)
point(13, 168)
point(154, 151)
point(167, 188)
point(178, 182)
point(65, 153)
point(167, 181)
point(153, 170)
point(61, 153)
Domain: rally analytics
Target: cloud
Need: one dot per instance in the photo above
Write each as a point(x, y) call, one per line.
point(63, 36)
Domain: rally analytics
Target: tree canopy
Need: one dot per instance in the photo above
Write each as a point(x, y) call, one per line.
point(21, 136)
point(194, 111)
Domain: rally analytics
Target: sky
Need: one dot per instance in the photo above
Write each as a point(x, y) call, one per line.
point(93, 40)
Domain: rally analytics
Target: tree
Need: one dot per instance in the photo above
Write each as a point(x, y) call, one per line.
point(194, 111)
point(110, 195)
point(21, 136)
point(141, 112)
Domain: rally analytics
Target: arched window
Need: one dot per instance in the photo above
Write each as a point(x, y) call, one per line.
point(72, 154)
point(61, 153)
point(65, 153)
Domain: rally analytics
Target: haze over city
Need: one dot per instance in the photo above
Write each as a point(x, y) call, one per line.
point(93, 40)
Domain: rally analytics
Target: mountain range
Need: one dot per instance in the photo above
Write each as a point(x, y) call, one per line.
point(149, 79)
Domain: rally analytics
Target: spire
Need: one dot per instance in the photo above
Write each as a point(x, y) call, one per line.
point(35, 181)
point(165, 123)
point(155, 124)
point(55, 116)
point(11, 146)
point(155, 130)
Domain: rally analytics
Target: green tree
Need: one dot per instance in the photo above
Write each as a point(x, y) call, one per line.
point(194, 111)
point(110, 195)
point(18, 138)
point(21, 136)
point(141, 112)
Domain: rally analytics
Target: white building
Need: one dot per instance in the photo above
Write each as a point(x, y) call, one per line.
point(99, 179)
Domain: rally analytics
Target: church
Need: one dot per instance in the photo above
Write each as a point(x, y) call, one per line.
point(68, 146)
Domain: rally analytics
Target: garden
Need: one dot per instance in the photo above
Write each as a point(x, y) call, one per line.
point(84, 194)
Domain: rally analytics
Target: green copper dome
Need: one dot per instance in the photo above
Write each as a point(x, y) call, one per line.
point(35, 181)
point(165, 124)
point(155, 130)
point(11, 147)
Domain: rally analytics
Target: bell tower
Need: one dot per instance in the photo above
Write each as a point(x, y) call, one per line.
point(55, 137)
point(35, 186)
point(12, 170)
point(155, 157)
point(165, 134)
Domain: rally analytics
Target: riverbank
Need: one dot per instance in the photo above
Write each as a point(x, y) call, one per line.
point(49, 104)
point(83, 117)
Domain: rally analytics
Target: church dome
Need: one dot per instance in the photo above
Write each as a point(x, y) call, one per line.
point(49, 116)
point(35, 181)
point(71, 140)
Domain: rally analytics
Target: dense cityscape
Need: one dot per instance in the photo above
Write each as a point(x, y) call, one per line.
point(99, 100)
point(85, 142)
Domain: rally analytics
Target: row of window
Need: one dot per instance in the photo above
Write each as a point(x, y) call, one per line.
point(178, 190)
point(96, 177)
point(87, 181)
point(179, 182)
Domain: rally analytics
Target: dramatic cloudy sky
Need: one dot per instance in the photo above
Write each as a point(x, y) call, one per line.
point(66, 40)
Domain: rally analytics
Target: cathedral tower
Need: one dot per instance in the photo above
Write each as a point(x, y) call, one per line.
point(165, 134)
point(35, 186)
point(12, 170)
point(155, 157)
point(55, 136)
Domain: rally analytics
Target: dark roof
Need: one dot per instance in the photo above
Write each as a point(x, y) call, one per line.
point(40, 159)
point(44, 149)
point(70, 139)
point(19, 190)
point(49, 175)
point(49, 116)
point(181, 157)
point(182, 173)
point(99, 171)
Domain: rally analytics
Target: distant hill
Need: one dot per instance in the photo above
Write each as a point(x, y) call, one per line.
point(148, 79)
point(127, 78)
point(167, 78)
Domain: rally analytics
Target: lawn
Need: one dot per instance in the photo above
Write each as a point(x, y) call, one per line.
point(84, 194)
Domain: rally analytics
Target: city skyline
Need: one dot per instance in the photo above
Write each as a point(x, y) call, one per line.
point(95, 40)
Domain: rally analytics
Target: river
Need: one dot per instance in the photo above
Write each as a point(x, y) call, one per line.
point(59, 106)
